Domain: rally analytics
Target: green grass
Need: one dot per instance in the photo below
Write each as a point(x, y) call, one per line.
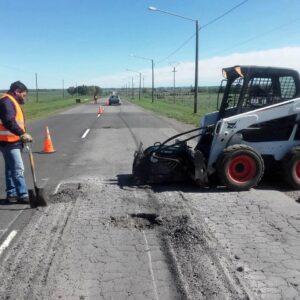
point(49, 103)
point(183, 108)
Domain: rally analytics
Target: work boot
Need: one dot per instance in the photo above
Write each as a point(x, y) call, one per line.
point(11, 198)
point(23, 200)
point(5, 202)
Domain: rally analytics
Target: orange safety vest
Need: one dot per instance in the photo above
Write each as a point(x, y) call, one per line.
point(6, 135)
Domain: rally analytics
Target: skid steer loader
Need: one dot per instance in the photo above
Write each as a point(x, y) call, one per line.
point(255, 129)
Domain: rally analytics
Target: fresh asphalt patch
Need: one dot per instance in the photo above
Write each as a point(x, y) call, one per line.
point(138, 221)
point(69, 193)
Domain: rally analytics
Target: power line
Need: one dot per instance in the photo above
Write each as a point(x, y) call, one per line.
point(15, 69)
point(180, 47)
point(205, 25)
point(224, 14)
point(261, 35)
point(19, 70)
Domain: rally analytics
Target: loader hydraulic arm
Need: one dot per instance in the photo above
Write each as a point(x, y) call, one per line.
point(177, 142)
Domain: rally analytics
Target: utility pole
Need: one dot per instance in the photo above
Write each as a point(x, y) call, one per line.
point(36, 88)
point(174, 71)
point(63, 89)
point(132, 88)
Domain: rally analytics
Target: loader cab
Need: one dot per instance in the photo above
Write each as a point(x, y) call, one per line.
point(250, 87)
point(246, 88)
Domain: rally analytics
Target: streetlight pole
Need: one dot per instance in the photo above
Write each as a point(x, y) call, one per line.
point(196, 70)
point(152, 8)
point(152, 80)
point(132, 88)
point(152, 65)
point(36, 87)
point(140, 83)
point(140, 87)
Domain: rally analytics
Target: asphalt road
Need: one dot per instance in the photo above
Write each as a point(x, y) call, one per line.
point(101, 237)
point(66, 130)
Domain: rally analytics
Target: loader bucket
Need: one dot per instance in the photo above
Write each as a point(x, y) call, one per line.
point(156, 165)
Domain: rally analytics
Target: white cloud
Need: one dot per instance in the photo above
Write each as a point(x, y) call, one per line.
point(210, 70)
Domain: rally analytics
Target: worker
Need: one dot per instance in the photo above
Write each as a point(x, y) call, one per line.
point(95, 99)
point(13, 135)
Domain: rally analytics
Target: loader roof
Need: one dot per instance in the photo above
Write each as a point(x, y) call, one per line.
point(245, 71)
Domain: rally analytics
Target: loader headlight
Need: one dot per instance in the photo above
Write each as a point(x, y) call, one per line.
point(224, 74)
point(239, 71)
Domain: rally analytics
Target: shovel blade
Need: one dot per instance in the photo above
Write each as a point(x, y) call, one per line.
point(37, 197)
point(32, 198)
point(41, 199)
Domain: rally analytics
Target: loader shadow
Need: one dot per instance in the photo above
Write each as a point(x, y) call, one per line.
point(271, 181)
point(127, 181)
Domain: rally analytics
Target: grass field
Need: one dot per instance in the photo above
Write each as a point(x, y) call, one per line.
point(48, 103)
point(183, 107)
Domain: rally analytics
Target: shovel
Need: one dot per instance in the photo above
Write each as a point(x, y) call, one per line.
point(36, 196)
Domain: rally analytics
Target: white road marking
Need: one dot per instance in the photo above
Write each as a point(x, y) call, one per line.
point(11, 222)
point(7, 241)
point(85, 134)
point(57, 188)
point(150, 266)
point(44, 180)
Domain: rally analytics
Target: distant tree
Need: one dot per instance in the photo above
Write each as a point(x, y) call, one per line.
point(71, 90)
point(98, 90)
point(85, 90)
point(82, 90)
point(95, 90)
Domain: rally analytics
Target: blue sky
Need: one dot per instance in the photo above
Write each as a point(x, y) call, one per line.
point(90, 42)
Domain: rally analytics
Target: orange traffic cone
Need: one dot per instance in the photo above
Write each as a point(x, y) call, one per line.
point(100, 110)
point(48, 147)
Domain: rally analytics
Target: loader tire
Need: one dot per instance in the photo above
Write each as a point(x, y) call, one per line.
point(291, 168)
point(240, 167)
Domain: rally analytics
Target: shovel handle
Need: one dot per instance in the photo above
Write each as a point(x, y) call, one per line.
point(32, 165)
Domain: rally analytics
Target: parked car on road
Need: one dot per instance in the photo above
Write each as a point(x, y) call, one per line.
point(114, 99)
